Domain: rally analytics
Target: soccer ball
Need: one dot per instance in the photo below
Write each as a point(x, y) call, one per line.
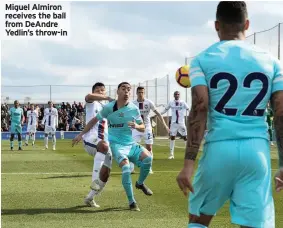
point(182, 76)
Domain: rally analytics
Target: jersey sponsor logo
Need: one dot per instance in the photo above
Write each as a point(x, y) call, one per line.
point(116, 125)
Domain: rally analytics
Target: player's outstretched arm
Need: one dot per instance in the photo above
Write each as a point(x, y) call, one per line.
point(160, 117)
point(277, 106)
point(91, 97)
point(196, 127)
point(87, 128)
point(166, 109)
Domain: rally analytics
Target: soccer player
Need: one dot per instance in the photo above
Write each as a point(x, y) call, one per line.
point(145, 106)
point(17, 120)
point(96, 143)
point(123, 116)
point(179, 109)
point(50, 120)
point(32, 120)
point(232, 83)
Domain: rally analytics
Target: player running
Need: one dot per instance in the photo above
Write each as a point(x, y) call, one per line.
point(17, 120)
point(232, 83)
point(96, 143)
point(123, 116)
point(145, 106)
point(179, 109)
point(50, 120)
point(32, 120)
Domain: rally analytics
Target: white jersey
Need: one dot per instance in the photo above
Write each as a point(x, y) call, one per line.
point(145, 108)
point(32, 117)
point(50, 118)
point(100, 129)
point(179, 109)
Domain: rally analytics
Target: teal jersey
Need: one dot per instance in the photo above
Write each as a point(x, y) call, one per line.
point(16, 115)
point(241, 79)
point(118, 130)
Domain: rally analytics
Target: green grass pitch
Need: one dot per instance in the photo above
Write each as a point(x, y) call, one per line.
point(45, 189)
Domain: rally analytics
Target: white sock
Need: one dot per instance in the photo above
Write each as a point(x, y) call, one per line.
point(27, 138)
point(54, 140)
point(172, 145)
point(46, 141)
point(97, 164)
point(33, 138)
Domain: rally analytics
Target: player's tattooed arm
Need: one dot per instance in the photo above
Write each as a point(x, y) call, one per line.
point(277, 106)
point(196, 123)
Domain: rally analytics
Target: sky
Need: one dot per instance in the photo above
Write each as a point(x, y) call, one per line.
point(122, 41)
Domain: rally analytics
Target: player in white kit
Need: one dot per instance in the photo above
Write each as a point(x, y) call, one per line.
point(179, 109)
point(32, 120)
point(145, 106)
point(96, 143)
point(50, 120)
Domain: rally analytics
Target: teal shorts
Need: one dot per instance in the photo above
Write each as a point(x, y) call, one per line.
point(16, 128)
point(130, 152)
point(238, 171)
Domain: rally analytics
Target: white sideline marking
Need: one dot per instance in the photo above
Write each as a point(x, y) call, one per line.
point(80, 173)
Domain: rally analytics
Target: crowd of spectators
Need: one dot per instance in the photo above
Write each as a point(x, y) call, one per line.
point(70, 117)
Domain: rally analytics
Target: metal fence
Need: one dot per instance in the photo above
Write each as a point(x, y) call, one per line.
point(159, 90)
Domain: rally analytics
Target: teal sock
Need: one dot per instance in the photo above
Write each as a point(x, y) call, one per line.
point(195, 225)
point(145, 167)
point(20, 143)
point(11, 143)
point(127, 183)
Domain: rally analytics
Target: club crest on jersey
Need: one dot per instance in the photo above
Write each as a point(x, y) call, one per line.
point(121, 114)
point(146, 106)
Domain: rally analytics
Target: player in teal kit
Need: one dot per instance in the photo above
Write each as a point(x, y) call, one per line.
point(232, 83)
point(123, 116)
point(16, 115)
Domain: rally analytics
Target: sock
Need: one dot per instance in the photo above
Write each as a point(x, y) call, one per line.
point(152, 158)
point(20, 143)
point(27, 138)
point(127, 183)
point(11, 143)
point(132, 166)
point(46, 141)
point(172, 145)
point(54, 140)
point(145, 167)
point(33, 138)
point(195, 225)
point(98, 161)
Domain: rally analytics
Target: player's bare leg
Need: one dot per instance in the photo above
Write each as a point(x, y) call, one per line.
point(201, 221)
point(101, 172)
point(12, 141)
point(149, 148)
point(33, 138)
point(172, 146)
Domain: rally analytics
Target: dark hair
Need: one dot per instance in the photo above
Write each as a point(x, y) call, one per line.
point(176, 92)
point(140, 88)
point(98, 84)
point(232, 13)
point(123, 83)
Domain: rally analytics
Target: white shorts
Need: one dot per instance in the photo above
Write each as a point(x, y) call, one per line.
point(178, 127)
point(90, 146)
point(49, 130)
point(31, 129)
point(147, 136)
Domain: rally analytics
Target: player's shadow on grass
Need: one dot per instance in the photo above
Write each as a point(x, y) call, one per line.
point(74, 210)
